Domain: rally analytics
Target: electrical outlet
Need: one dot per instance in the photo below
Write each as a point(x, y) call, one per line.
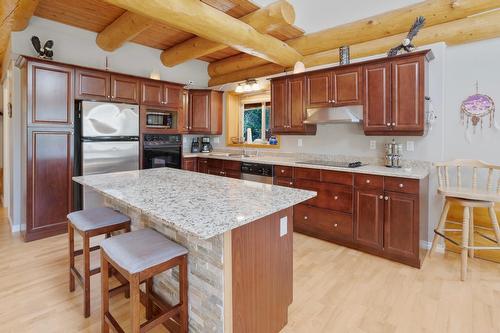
point(373, 144)
point(216, 139)
point(283, 226)
point(410, 145)
point(299, 142)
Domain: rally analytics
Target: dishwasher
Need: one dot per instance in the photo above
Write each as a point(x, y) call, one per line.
point(261, 173)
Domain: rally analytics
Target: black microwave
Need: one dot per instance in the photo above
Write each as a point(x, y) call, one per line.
point(159, 119)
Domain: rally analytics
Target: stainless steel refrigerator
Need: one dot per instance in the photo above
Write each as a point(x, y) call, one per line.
point(109, 142)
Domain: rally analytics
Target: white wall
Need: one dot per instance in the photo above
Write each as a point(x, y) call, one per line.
point(78, 47)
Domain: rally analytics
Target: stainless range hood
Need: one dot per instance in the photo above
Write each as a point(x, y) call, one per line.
point(335, 115)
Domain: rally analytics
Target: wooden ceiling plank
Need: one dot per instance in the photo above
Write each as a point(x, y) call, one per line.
point(389, 23)
point(470, 29)
point(122, 30)
point(263, 20)
point(207, 22)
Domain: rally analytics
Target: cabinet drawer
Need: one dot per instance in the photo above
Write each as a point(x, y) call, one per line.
point(232, 165)
point(214, 164)
point(283, 171)
point(336, 177)
point(305, 173)
point(283, 181)
point(322, 223)
point(402, 185)
point(330, 196)
point(232, 173)
point(369, 181)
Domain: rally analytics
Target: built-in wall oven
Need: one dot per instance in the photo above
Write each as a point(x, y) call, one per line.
point(162, 150)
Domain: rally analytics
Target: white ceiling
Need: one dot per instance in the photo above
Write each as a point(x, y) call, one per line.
point(315, 15)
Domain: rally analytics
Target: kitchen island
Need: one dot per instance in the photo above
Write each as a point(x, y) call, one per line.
point(239, 237)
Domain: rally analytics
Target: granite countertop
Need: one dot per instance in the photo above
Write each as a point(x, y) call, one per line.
point(413, 172)
point(198, 204)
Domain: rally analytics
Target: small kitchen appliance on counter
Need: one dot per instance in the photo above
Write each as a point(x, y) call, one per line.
point(206, 146)
point(393, 154)
point(196, 145)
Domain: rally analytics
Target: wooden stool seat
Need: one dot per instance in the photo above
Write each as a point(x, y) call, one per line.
point(89, 223)
point(138, 256)
point(469, 197)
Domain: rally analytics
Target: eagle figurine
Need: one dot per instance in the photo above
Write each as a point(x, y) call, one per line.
point(407, 45)
point(44, 52)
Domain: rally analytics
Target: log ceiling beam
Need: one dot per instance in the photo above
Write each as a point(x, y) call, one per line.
point(263, 20)
point(23, 13)
point(122, 30)
point(386, 24)
point(470, 29)
point(7, 14)
point(198, 18)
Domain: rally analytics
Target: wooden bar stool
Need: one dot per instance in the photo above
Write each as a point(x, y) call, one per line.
point(138, 256)
point(469, 196)
point(90, 223)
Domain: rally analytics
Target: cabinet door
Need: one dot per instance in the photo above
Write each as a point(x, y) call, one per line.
point(49, 183)
point(369, 218)
point(296, 103)
point(124, 89)
point(152, 93)
point(347, 86)
point(199, 112)
point(401, 236)
point(279, 110)
point(172, 96)
point(408, 95)
point(50, 95)
point(189, 164)
point(203, 165)
point(183, 119)
point(92, 85)
point(318, 90)
point(377, 106)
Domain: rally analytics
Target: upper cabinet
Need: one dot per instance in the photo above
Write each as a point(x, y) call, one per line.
point(161, 94)
point(395, 96)
point(205, 112)
point(49, 94)
point(288, 110)
point(332, 88)
point(104, 86)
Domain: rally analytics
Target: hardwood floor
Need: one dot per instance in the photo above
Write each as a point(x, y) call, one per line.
point(336, 290)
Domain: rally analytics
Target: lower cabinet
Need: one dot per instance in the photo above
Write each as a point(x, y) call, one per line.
point(323, 223)
point(49, 185)
point(225, 168)
point(190, 164)
point(369, 218)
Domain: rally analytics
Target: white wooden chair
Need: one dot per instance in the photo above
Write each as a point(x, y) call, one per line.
point(469, 196)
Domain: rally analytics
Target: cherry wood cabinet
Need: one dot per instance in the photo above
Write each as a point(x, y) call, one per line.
point(161, 94)
point(395, 95)
point(319, 89)
point(203, 165)
point(104, 86)
point(190, 164)
point(288, 110)
point(183, 114)
point(205, 112)
point(225, 168)
point(369, 218)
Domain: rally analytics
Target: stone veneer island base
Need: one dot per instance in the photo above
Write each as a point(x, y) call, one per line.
point(239, 237)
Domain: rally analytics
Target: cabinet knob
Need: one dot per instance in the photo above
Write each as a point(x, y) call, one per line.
point(401, 185)
point(368, 181)
point(333, 101)
point(291, 183)
point(393, 124)
point(305, 217)
point(282, 171)
point(388, 124)
point(380, 197)
point(112, 96)
point(109, 96)
point(386, 198)
point(336, 197)
point(335, 225)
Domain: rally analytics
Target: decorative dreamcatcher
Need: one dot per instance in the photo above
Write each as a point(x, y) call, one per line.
point(475, 109)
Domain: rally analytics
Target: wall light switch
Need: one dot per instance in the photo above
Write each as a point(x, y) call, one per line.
point(216, 139)
point(283, 226)
point(299, 142)
point(410, 145)
point(373, 144)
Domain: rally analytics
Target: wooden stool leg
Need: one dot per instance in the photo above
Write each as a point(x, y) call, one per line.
point(71, 237)
point(440, 227)
point(471, 232)
point(149, 301)
point(135, 304)
point(494, 221)
point(183, 293)
point(104, 294)
point(465, 242)
point(86, 274)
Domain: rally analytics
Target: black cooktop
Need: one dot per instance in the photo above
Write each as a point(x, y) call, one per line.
point(337, 164)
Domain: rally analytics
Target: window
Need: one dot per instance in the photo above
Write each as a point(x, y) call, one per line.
point(257, 118)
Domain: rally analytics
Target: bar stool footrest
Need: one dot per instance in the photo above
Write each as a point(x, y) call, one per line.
point(111, 321)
